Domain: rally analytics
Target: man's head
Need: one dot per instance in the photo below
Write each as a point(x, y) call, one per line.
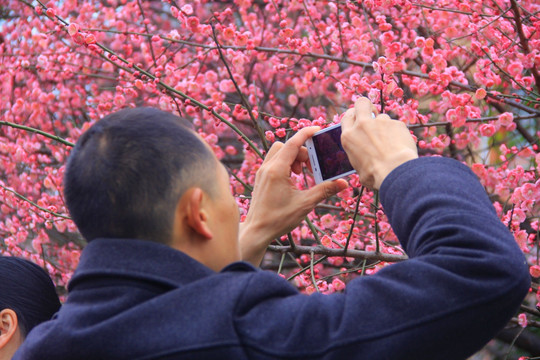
point(127, 176)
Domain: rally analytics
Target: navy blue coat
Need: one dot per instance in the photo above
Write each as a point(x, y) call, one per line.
point(133, 299)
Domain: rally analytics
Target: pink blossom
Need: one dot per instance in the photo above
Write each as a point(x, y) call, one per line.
point(327, 241)
point(241, 39)
point(274, 122)
point(336, 261)
point(270, 136)
point(281, 132)
point(531, 191)
point(480, 94)
point(231, 150)
point(328, 221)
point(505, 119)
point(387, 37)
point(420, 42)
point(338, 284)
point(535, 271)
point(226, 85)
point(398, 92)
point(302, 123)
point(301, 89)
point(455, 118)
point(521, 238)
point(90, 39)
point(293, 100)
point(72, 29)
point(522, 320)
point(187, 9)
point(286, 33)
point(228, 33)
point(193, 23)
point(79, 38)
point(487, 130)
point(515, 68)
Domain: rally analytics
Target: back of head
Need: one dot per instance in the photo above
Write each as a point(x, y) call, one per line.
point(126, 173)
point(27, 289)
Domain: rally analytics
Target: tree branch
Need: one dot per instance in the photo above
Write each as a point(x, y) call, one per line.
point(321, 250)
point(523, 40)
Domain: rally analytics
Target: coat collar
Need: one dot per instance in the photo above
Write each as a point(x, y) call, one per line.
point(142, 259)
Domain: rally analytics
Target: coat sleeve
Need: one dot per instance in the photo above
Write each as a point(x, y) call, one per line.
point(464, 280)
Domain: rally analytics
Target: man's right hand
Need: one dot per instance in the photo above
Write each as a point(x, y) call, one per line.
point(278, 206)
point(375, 146)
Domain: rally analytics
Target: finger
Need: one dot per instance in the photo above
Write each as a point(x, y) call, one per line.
point(290, 150)
point(347, 120)
point(325, 190)
point(296, 167)
point(384, 117)
point(274, 149)
point(301, 158)
point(303, 155)
point(363, 108)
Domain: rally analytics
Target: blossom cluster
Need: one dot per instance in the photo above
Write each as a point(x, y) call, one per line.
point(463, 75)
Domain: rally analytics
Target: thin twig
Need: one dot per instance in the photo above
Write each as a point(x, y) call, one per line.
point(147, 30)
point(314, 26)
point(354, 218)
point(304, 269)
point(513, 342)
point(245, 102)
point(377, 222)
point(291, 241)
point(281, 263)
point(37, 131)
point(313, 280)
point(22, 197)
point(456, 11)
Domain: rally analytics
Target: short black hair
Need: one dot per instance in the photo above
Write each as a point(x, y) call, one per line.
point(27, 290)
point(126, 174)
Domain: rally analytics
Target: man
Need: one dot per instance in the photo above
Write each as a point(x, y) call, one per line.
point(161, 277)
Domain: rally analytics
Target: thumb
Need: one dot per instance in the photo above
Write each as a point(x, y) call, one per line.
point(325, 190)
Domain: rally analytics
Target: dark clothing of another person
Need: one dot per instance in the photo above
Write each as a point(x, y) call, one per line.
point(466, 277)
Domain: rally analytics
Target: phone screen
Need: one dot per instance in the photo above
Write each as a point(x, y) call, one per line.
point(333, 160)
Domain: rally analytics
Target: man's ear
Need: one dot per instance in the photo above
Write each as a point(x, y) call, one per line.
point(8, 326)
point(196, 213)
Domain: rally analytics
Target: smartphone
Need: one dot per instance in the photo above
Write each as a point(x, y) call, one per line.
point(326, 155)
